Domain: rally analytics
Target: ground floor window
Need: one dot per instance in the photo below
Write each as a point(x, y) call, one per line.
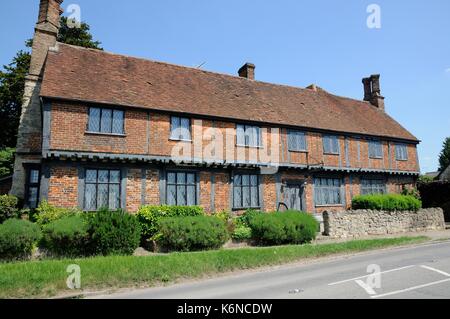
point(327, 191)
point(246, 191)
point(181, 189)
point(372, 186)
point(102, 189)
point(32, 187)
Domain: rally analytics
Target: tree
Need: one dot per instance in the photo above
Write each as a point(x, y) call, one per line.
point(6, 162)
point(444, 157)
point(12, 84)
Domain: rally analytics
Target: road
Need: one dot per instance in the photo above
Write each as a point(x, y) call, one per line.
point(412, 272)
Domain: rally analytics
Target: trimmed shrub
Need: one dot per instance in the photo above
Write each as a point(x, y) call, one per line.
point(247, 216)
point(113, 232)
point(192, 233)
point(18, 238)
point(47, 213)
point(290, 227)
point(242, 233)
point(8, 207)
point(149, 216)
point(67, 237)
point(390, 202)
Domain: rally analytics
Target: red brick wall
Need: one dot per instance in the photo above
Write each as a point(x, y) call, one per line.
point(63, 187)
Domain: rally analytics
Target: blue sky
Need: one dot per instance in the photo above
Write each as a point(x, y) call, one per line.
point(326, 42)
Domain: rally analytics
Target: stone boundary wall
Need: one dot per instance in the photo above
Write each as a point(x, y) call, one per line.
point(360, 223)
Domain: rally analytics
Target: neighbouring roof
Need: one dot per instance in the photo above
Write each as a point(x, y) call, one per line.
point(89, 75)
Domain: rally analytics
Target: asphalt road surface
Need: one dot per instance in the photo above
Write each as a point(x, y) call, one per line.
point(414, 272)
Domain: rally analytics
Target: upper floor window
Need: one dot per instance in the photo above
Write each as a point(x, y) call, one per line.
point(248, 135)
point(372, 186)
point(375, 149)
point(297, 141)
point(246, 191)
point(108, 121)
point(180, 129)
point(330, 144)
point(181, 189)
point(401, 152)
point(327, 191)
point(102, 189)
point(32, 187)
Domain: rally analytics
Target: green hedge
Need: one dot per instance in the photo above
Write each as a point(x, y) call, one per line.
point(290, 227)
point(149, 217)
point(113, 232)
point(67, 237)
point(242, 233)
point(390, 202)
point(192, 233)
point(8, 207)
point(18, 238)
point(47, 213)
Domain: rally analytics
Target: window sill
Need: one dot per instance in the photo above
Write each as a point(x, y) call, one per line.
point(105, 134)
point(301, 152)
point(335, 205)
point(401, 160)
point(247, 146)
point(244, 208)
point(179, 140)
point(377, 158)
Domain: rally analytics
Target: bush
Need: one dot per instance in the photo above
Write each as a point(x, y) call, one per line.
point(192, 233)
point(8, 207)
point(113, 232)
point(47, 213)
point(17, 239)
point(67, 237)
point(290, 227)
point(242, 233)
point(149, 216)
point(247, 216)
point(391, 202)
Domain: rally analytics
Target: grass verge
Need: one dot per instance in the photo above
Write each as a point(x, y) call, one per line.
point(48, 278)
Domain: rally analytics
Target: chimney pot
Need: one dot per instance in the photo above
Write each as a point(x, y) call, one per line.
point(247, 71)
point(372, 91)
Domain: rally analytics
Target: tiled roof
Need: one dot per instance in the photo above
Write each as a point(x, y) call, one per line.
point(89, 75)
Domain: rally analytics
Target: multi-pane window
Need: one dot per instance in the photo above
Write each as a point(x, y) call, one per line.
point(180, 128)
point(372, 186)
point(248, 135)
point(330, 144)
point(32, 188)
point(108, 121)
point(102, 189)
point(297, 141)
point(401, 152)
point(181, 189)
point(327, 191)
point(246, 191)
point(375, 149)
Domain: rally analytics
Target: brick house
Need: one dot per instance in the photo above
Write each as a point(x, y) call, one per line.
point(100, 129)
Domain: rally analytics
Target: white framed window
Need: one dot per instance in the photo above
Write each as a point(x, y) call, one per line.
point(297, 141)
point(330, 144)
point(248, 135)
point(180, 128)
point(107, 121)
point(375, 149)
point(401, 152)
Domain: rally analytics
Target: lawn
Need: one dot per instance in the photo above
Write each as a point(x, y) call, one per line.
point(48, 278)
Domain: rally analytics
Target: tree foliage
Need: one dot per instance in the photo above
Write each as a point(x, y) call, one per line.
point(444, 157)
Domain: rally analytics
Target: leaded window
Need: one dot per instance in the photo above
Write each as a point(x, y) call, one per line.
point(327, 191)
point(248, 135)
point(108, 121)
point(181, 189)
point(246, 191)
point(372, 186)
point(102, 189)
point(180, 128)
point(330, 144)
point(32, 187)
point(375, 149)
point(297, 141)
point(401, 152)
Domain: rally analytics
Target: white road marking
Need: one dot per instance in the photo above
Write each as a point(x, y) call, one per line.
point(436, 270)
point(383, 272)
point(410, 289)
point(366, 287)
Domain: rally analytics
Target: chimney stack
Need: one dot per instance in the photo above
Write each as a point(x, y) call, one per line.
point(372, 91)
point(247, 71)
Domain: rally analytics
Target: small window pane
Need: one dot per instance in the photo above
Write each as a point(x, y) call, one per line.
point(181, 195)
point(254, 197)
point(102, 197)
point(191, 178)
point(91, 197)
point(114, 196)
point(171, 178)
point(238, 180)
point(94, 119)
point(114, 176)
point(91, 176)
point(103, 176)
point(181, 178)
point(106, 121)
point(185, 129)
point(237, 195)
point(254, 180)
point(191, 195)
point(117, 126)
point(171, 195)
point(246, 196)
point(34, 176)
point(33, 197)
point(240, 132)
point(245, 180)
